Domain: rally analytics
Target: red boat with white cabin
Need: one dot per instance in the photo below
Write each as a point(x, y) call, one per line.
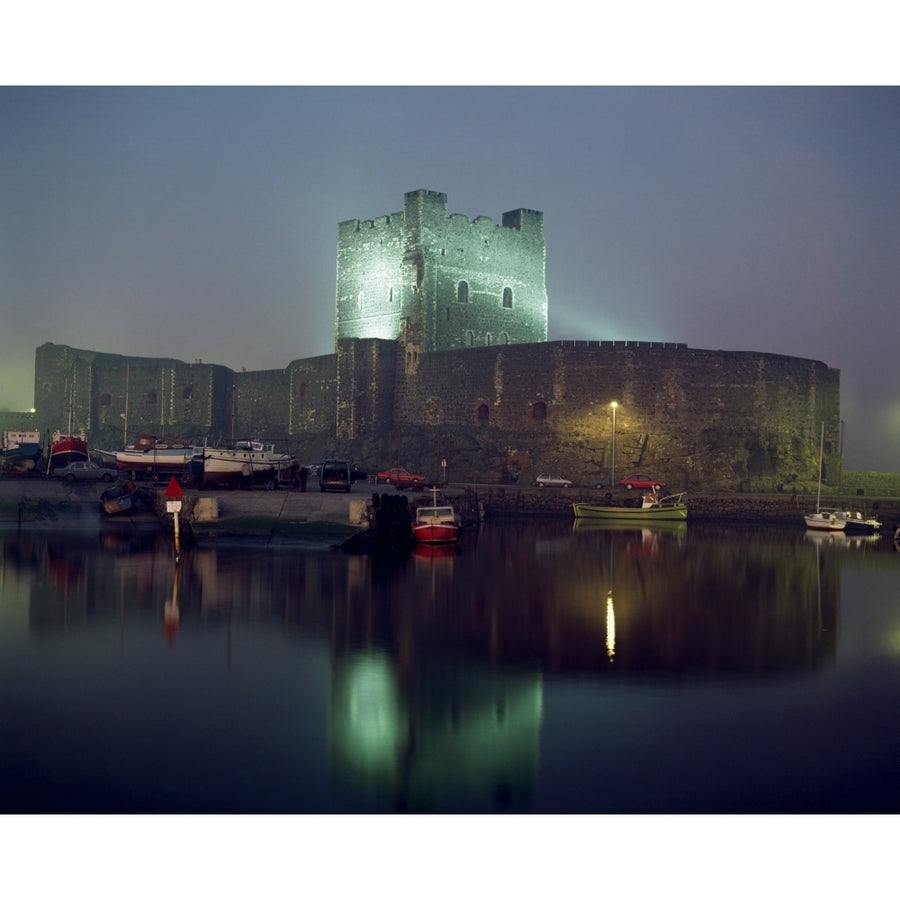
point(436, 524)
point(67, 448)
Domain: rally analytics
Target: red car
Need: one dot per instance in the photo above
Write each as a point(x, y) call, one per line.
point(401, 479)
point(644, 482)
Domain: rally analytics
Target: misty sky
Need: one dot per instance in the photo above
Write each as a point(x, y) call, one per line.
point(201, 223)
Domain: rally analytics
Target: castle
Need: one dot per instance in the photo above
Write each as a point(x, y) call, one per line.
point(442, 364)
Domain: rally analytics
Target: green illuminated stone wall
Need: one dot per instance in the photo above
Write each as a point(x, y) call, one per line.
point(442, 282)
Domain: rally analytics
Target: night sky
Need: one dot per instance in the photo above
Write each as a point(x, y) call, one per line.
point(201, 223)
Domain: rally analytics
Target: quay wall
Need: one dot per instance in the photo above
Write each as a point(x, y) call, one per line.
point(504, 501)
point(56, 504)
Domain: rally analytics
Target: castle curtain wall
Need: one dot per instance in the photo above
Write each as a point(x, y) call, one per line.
point(702, 419)
point(364, 406)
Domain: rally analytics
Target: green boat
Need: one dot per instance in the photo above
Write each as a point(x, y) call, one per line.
point(652, 509)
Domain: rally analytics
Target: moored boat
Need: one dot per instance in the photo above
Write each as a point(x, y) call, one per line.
point(119, 499)
point(856, 523)
point(652, 508)
point(824, 520)
point(436, 524)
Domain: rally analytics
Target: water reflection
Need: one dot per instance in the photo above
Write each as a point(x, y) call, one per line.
point(441, 732)
point(434, 684)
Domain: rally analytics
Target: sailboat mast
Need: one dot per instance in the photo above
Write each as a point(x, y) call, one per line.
point(821, 451)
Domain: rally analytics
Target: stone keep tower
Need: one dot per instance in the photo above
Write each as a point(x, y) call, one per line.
point(439, 282)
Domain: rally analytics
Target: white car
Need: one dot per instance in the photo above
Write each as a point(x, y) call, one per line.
point(548, 479)
point(85, 471)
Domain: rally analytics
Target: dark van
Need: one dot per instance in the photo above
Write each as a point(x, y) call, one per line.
point(334, 475)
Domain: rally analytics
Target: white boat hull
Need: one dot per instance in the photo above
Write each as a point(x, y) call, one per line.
point(227, 466)
point(152, 460)
point(822, 521)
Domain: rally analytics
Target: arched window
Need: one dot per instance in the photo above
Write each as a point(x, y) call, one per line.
point(539, 411)
point(462, 292)
point(470, 339)
point(503, 338)
point(488, 339)
point(507, 298)
point(483, 414)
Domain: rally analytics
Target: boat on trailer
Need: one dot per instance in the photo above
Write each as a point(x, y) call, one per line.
point(22, 452)
point(247, 462)
point(67, 448)
point(155, 456)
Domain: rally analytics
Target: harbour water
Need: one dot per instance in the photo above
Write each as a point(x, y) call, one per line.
point(540, 668)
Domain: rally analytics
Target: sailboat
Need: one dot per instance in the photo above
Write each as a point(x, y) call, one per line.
point(823, 520)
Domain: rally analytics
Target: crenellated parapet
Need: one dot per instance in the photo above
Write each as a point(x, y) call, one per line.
point(440, 281)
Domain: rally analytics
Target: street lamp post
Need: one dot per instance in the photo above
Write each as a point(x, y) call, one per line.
point(612, 476)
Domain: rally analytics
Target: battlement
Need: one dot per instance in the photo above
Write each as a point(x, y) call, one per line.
point(392, 222)
point(443, 281)
point(522, 219)
point(629, 345)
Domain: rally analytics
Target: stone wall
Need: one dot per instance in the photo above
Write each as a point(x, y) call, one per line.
point(442, 281)
point(713, 419)
point(110, 397)
point(699, 419)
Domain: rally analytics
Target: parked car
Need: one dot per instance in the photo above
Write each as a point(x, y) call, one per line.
point(644, 482)
point(548, 479)
point(84, 471)
point(401, 479)
point(334, 475)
